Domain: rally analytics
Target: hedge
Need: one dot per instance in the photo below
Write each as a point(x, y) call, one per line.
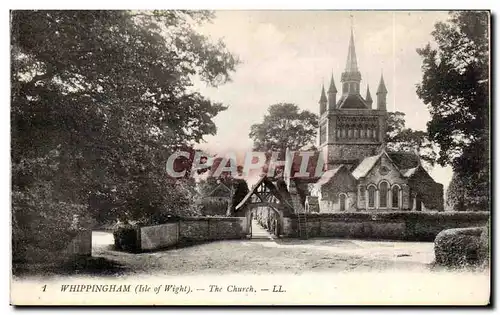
point(462, 247)
point(405, 215)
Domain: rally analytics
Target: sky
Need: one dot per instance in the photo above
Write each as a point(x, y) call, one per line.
point(287, 55)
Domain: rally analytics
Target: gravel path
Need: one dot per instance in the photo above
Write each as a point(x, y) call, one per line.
point(270, 256)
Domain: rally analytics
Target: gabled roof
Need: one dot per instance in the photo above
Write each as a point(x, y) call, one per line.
point(271, 186)
point(352, 101)
point(328, 175)
point(409, 172)
point(365, 166)
point(404, 160)
point(368, 163)
point(251, 192)
point(220, 191)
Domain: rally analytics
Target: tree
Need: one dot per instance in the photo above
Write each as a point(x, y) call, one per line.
point(285, 126)
point(399, 138)
point(455, 87)
point(100, 100)
point(219, 195)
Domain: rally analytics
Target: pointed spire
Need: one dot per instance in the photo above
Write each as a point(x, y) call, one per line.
point(381, 86)
point(323, 95)
point(368, 97)
point(332, 88)
point(352, 63)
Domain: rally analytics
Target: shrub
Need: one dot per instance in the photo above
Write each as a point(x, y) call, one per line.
point(459, 247)
point(125, 237)
point(42, 228)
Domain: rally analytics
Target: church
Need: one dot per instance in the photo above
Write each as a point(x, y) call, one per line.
point(357, 174)
point(361, 174)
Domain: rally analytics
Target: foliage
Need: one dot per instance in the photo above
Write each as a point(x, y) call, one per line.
point(455, 87)
point(101, 99)
point(462, 196)
point(41, 225)
point(460, 247)
point(285, 126)
point(399, 138)
point(125, 238)
point(216, 193)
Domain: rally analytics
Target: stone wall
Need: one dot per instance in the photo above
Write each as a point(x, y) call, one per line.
point(342, 152)
point(413, 226)
point(159, 236)
point(187, 230)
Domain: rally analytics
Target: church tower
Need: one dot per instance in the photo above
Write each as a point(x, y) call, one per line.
point(350, 129)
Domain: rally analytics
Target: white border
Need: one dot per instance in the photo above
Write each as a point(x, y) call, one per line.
point(185, 4)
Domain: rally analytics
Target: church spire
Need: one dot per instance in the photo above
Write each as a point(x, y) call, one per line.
point(352, 62)
point(351, 77)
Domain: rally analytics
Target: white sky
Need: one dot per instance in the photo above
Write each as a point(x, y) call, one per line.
point(287, 55)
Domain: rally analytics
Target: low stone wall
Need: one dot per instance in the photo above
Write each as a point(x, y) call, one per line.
point(212, 228)
point(158, 236)
point(411, 226)
point(185, 231)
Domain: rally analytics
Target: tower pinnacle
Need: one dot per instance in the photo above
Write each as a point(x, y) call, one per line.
point(322, 100)
point(381, 86)
point(332, 94)
point(368, 97)
point(332, 88)
point(382, 94)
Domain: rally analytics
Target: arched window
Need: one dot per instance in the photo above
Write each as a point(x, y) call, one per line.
point(371, 196)
point(349, 132)
point(383, 192)
point(342, 201)
point(395, 196)
point(368, 133)
point(338, 133)
point(356, 132)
